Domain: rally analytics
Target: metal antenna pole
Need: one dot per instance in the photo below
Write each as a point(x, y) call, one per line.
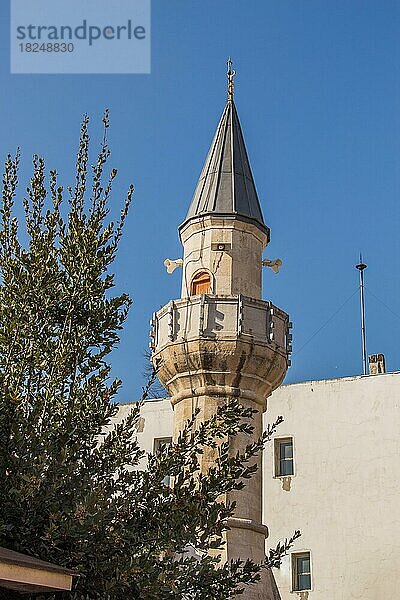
point(361, 266)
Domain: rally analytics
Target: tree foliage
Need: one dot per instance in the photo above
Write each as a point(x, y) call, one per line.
point(70, 490)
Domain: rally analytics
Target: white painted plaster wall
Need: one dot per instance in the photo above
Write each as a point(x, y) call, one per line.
point(345, 494)
point(156, 422)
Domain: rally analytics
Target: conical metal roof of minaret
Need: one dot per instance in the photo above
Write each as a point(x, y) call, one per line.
point(226, 186)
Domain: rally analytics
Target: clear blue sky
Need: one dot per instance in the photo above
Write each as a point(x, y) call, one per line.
point(317, 92)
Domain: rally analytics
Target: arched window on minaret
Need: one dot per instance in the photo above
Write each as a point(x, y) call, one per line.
point(201, 284)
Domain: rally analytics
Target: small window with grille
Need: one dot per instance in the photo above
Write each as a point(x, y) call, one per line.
point(301, 572)
point(284, 466)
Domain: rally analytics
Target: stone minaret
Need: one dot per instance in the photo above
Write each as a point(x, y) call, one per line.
point(220, 340)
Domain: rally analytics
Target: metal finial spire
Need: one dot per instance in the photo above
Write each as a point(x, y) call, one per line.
point(231, 79)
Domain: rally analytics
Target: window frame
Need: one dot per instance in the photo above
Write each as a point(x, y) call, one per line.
point(157, 443)
point(278, 442)
point(294, 557)
point(197, 275)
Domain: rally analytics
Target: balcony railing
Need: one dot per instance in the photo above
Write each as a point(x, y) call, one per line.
point(220, 317)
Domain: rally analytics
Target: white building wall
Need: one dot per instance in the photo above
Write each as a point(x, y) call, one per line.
point(344, 495)
point(156, 422)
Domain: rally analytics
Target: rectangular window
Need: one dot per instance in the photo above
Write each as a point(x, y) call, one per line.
point(284, 457)
point(301, 572)
point(161, 443)
point(158, 444)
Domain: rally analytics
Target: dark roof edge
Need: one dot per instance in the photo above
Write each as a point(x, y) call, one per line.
point(24, 560)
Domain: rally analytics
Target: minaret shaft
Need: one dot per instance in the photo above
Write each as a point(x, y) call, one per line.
point(211, 349)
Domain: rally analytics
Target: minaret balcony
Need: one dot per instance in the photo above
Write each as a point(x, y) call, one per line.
point(221, 318)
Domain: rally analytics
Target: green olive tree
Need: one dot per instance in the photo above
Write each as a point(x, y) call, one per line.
point(70, 491)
